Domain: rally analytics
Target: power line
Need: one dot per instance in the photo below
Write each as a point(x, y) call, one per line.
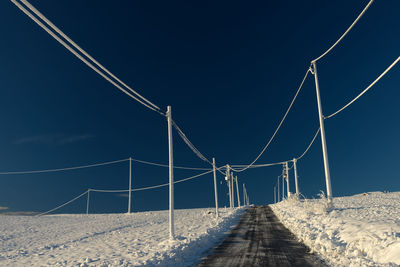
point(189, 144)
point(64, 169)
point(167, 166)
point(142, 100)
point(279, 126)
point(312, 141)
point(62, 205)
point(149, 187)
point(281, 162)
point(259, 165)
point(365, 90)
point(345, 33)
point(99, 164)
point(124, 190)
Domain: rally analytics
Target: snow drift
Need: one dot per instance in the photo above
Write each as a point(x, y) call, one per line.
point(361, 230)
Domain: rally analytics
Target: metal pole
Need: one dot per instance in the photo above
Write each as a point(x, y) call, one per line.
point(130, 185)
point(274, 194)
point(287, 179)
point(279, 193)
point(215, 190)
point(295, 176)
point(244, 195)
point(87, 202)
point(228, 179)
point(233, 190)
point(171, 176)
point(323, 140)
point(237, 191)
point(247, 198)
point(283, 186)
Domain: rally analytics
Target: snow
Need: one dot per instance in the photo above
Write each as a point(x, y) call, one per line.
point(112, 239)
point(360, 230)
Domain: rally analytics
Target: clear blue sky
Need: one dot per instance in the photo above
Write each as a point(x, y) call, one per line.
point(229, 69)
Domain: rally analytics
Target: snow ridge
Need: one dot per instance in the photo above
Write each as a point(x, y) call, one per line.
point(361, 230)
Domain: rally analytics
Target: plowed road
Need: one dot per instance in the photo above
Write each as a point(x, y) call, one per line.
point(260, 240)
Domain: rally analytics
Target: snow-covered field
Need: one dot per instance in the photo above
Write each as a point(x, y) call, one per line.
point(361, 230)
point(111, 239)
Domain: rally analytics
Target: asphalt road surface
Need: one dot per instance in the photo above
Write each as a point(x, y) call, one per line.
point(260, 240)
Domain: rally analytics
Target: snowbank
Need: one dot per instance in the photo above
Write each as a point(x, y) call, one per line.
point(111, 239)
point(361, 230)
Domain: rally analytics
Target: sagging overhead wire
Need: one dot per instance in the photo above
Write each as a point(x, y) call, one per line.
point(193, 148)
point(121, 191)
point(62, 205)
point(281, 162)
point(148, 187)
point(345, 33)
point(101, 164)
point(365, 90)
point(167, 166)
point(64, 169)
point(132, 93)
point(189, 144)
point(277, 129)
point(259, 165)
point(312, 141)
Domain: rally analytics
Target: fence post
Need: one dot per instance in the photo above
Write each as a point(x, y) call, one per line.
point(323, 139)
point(171, 175)
point(295, 176)
point(130, 186)
point(215, 190)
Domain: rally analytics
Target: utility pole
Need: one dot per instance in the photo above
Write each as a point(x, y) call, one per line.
point(237, 191)
point(233, 189)
point(279, 193)
point(283, 182)
point(130, 185)
point(323, 139)
point(87, 201)
point(228, 180)
point(287, 179)
point(215, 190)
point(171, 176)
point(295, 176)
point(244, 195)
